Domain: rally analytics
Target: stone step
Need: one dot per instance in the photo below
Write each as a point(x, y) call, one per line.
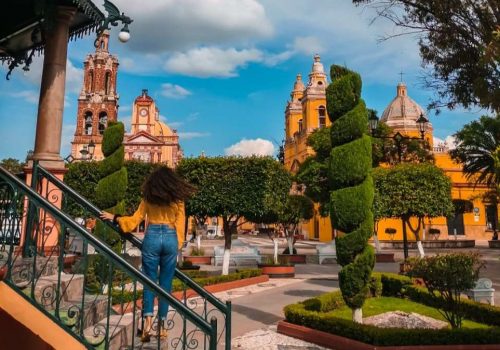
point(71, 287)
point(95, 308)
point(122, 331)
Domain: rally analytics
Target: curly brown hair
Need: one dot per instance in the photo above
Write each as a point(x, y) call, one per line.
point(163, 186)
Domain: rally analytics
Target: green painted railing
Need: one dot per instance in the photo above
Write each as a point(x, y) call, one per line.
point(206, 304)
point(90, 291)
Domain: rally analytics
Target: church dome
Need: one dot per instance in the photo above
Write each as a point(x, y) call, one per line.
point(402, 113)
point(161, 129)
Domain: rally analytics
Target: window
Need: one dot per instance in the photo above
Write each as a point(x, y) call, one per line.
point(88, 123)
point(322, 116)
point(103, 122)
point(107, 82)
point(300, 126)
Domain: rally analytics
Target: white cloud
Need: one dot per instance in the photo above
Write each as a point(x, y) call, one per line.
point(172, 25)
point(275, 59)
point(126, 108)
point(308, 45)
point(29, 96)
point(246, 148)
point(174, 91)
point(68, 132)
point(449, 142)
point(188, 135)
point(212, 62)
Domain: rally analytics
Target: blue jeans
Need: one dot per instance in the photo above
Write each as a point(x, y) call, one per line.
point(159, 249)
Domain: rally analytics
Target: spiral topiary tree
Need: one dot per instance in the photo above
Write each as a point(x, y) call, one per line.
point(111, 188)
point(351, 198)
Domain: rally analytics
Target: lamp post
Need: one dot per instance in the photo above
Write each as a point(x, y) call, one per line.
point(398, 138)
point(87, 153)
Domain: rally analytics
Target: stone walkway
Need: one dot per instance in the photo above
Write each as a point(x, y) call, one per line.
point(269, 339)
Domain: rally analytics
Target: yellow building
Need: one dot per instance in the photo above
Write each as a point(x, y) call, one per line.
point(306, 112)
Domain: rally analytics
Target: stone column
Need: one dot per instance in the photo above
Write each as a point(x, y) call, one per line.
point(51, 103)
point(49, 126)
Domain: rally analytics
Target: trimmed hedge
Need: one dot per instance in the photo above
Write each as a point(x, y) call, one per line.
point(120, 296)
point(316, 313)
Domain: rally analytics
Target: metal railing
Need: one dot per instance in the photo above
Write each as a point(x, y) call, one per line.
point(194, 296)
point(94, 294)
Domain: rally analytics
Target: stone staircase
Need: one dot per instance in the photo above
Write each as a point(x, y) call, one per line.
point(85, 314)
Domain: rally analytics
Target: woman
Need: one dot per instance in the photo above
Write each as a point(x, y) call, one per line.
point(164, 193)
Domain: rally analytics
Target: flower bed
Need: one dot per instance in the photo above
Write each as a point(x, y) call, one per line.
point(319, 314)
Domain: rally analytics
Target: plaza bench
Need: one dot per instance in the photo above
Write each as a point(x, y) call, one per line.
point(240, 254)
point(326, 251)
point(482, 291)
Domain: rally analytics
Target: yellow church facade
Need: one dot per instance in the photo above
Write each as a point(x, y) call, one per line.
point(304, 113)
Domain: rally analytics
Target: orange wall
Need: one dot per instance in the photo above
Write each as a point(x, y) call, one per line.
point(45, 333)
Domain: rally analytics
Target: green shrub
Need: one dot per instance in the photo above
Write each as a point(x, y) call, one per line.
point(394, 285)
point(112, 138)
point(446, 277)
point(314, 313)
point(195, 251)
point(376, 285)
point(349, 127)
point(401, 286)
point(350, 163)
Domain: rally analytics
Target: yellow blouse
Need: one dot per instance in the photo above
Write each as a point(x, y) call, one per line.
point(172, 215)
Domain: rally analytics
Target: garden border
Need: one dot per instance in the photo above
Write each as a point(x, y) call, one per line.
point(342, 343)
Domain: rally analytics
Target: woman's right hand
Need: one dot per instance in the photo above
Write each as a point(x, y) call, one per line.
point(107, 216)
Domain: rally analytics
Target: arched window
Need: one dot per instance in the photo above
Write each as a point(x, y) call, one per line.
point(103, 122)
point(107, 82)
point(300, 126)
point(322, 116)
point(88, 123)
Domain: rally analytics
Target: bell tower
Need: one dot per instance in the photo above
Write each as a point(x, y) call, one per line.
point(98, 100)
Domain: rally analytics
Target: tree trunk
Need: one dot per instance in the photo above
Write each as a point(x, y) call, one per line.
point(198, 242)
point(405, 240)
point(275, 241)
point(417, 236)
point(227, 245)
point(357, 315)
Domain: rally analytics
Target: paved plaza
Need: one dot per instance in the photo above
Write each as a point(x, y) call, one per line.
point(258, 308)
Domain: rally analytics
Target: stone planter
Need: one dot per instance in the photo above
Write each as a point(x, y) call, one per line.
point(278, 271)
point(293, 259)
point(200, 260)
point(439, 244)
point(494, 244)
point(384, 257)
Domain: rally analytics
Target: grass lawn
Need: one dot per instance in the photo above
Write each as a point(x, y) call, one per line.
point(376, 306)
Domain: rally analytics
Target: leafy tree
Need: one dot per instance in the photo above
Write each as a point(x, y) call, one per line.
point(84, 176)
point(386, 150)
point(295, 209)
point(234, 188)
point(447, 277)
point(459, 40)
point(12, 165)
point(137, 172)
point(313, 172)
point(350, 179)
point(412, 190)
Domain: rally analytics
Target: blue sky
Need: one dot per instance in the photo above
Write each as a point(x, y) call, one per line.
point(221, 70)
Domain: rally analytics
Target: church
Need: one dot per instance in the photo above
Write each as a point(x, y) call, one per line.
point(306, 112)
point(149, 139)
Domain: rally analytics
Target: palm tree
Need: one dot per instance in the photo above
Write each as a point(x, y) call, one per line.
point(478, 150)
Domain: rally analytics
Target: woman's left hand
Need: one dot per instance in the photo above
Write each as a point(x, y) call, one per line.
point(107, 216)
